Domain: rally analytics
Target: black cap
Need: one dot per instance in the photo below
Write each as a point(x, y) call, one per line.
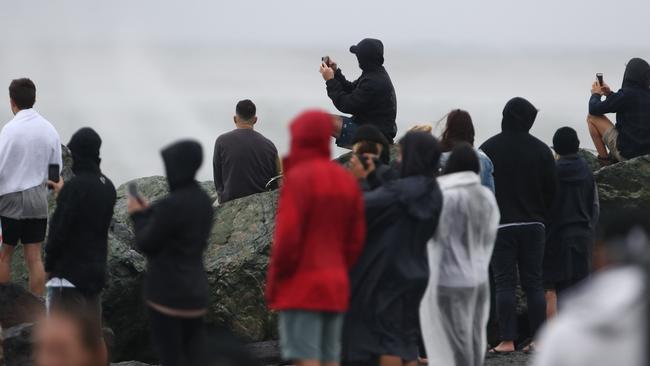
point(565, 141)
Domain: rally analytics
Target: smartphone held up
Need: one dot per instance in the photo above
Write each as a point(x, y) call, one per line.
point(599, 76)
point(326, 60)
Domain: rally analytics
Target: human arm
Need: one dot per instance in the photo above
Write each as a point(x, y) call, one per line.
point(350, 101)
point(216, 170)
point(153, 225)
point(549, 186)
point(62, 222)
point(612, 103)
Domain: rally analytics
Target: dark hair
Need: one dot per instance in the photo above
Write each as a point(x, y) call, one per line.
point(565, 141)
point(246, 109)
point(23, 93)
point(459, 128)
point(463, 158)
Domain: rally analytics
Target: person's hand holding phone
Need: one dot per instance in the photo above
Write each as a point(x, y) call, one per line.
point(56, 187)
point(326, 71)
point(360, 169)
point(135, 202)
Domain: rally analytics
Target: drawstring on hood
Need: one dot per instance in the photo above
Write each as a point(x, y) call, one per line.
point(310, 138)
point(182, 160)
point(370, 53)
point(518, 115)
point(420, 154)
point(84, 147)
point(637, 72)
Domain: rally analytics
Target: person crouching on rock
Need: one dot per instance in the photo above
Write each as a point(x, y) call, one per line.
point(319, 234)
point(371, 148)
point(77, 246)
point(173, 234)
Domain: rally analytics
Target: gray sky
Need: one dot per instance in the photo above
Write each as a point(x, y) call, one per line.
point(567, 23)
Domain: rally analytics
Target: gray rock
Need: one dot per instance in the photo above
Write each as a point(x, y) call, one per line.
point(17, 345)
point(18, 306)
point(591, 159)
point(624, 185)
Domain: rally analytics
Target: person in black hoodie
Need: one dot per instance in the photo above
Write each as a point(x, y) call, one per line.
point(391, 276)
point(630, 137)
point(77, 246)
point(572, 219)
point(173, 234)
point(524, 176)
point(370, 99)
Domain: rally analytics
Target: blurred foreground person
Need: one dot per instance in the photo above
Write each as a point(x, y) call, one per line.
point(370, 99)
point(69, 336)
point(572, 220)
point(604, 321)
point(630, 137)
point(29, 144)
point(392, 273)
point(173, 234)
point(455, 308)
point(319, 234)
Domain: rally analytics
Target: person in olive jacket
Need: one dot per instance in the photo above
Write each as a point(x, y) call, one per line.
point(173, 234)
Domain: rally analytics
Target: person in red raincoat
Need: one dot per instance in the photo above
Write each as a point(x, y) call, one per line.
point(319, 234)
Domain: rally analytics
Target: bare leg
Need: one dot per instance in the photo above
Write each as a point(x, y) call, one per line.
point(412, 363)
point(35, 267)
point(331, 364)
point(387, 360)
point(551, 303)
point(598, 125)
point(6, 253)
point(308, 363)
point(338, 126)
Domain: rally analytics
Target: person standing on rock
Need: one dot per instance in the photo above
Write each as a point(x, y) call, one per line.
point(77, 246)
point(630, 137)
point(319, 234)
point(244, 161)
point(29, 144)
point(173, 234)
point(370, 99)
point(572, 220)
point(525, 181)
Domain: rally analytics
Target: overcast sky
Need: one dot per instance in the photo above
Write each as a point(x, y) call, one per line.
point(566, 23)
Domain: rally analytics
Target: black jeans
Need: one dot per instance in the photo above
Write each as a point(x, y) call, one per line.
point(520, 247)
point(178, 341)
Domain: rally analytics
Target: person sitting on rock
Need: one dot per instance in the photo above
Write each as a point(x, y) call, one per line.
point(572, 220)
point(173, 234)
point(370, 99)
point(371, 147)
point(319, 234)
point(244, 161)
point(29, 144)
point(630, 137)
point(77, 246)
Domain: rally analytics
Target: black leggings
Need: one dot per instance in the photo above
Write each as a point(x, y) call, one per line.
point(179, 341)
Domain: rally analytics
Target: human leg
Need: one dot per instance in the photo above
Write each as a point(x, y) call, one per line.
point(35, 267)
point(503, 265)
point(530, 260)
point(193, 341)
point(338, 126)
point(11, 229)
point(301, 336)
point(598, 125)
point(348, 128)
point(6, 254)
point(331, 339)
point(166, 335)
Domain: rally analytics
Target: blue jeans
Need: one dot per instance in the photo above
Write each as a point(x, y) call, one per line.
point(519, 247)
point(349, 128)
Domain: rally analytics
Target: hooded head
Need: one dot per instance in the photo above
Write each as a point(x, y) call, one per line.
point(420, 154)
point(84, 147)
point(637, 72)
point(518, 115)
point(370, 53)
point(373, 134)
point(182, 160)
point(310, 137)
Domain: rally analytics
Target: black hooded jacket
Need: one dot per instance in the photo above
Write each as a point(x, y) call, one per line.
point(392, 273)
point(632, 107)
point(371, 98)
point(76, 248)
point(173, 233)
point(524, 167)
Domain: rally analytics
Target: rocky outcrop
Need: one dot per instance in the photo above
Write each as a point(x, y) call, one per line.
point(18, 306)
point(625, 185)
point(17, 344)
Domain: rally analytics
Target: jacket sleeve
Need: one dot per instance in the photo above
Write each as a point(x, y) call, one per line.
point(357, 232)
point(550, 181)
point(345, 84)
point(216, 169)
point(612, 104)
point(154, 226)
point(353, 101)
point(62, 223)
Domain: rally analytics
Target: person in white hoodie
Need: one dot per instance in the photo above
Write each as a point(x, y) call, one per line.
point(29, 144)
point(604, 321)
point(454, 310)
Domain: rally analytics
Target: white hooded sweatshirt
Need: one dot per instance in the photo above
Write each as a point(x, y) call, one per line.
point(602, 323)
point(455, 307)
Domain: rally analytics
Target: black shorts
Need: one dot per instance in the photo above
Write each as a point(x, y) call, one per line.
point(26, 231)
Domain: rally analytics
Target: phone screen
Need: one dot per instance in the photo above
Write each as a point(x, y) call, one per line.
point(599, 76)
point(54, 172)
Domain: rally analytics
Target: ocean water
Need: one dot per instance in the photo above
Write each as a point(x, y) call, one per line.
point(141, 98)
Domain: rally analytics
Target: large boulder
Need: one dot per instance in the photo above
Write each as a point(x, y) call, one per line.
point(17, 345)
point(625, 185)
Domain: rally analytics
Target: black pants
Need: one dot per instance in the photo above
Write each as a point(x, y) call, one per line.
point(519, 247)
point(178, 341)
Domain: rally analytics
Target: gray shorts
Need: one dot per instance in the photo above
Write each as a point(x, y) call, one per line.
point(610, 138)
point(310, 335)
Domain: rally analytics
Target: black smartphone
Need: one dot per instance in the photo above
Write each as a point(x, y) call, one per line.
point(599, 76)
point(325, 60)
point(133, 191)
point(54, 173)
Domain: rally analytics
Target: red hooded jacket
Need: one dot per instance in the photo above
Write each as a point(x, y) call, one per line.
point(320, 224)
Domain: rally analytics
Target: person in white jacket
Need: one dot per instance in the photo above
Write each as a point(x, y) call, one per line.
point(455, 308)
point(604, 320)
